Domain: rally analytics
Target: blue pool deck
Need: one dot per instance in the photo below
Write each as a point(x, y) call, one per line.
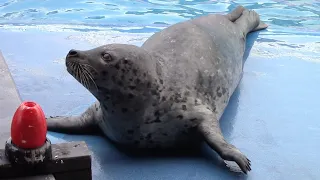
point(273, 117)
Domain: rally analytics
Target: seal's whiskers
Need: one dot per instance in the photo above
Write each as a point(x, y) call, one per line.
point(82, 72)
point(88, 74)
point(83, 77)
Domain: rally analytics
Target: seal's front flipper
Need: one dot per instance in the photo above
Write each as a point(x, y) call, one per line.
point(212, 134)
point(83, 124)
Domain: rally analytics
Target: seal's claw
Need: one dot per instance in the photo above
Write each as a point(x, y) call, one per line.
point(233, 154)
point(243, 162)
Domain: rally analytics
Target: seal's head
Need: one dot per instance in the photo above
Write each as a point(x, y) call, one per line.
point(115, 71)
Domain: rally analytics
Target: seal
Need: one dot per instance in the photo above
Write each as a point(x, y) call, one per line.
point(171, 91)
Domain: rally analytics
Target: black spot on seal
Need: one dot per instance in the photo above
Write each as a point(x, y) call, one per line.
point(193, 119)
point(180, 116)
point(224, 90)
point(120, 83)
point(113, 78)
point(104, 73)
point(130, 96)
point(165, 134)
point(135, 71)
point(132, 87)
point(130, 131)
point(148, 136)
point(117, 66)
point(157, 113)
point(137, 81)
point(157, 120)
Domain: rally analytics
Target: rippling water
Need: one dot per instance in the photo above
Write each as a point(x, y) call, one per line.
point(295, 23)
point(294, 15)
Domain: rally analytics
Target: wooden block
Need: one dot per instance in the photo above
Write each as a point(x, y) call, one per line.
point(67, 157)
point(76, 175)
point(40, 177)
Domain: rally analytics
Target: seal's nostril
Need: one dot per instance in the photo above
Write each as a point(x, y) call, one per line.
point(73, 53)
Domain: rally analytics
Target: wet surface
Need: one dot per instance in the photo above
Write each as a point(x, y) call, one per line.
point(272, 117)
point(9, 101)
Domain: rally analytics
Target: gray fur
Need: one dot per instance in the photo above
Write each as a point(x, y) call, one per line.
point(171, 91)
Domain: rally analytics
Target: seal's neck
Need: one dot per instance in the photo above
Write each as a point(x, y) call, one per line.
point(131, 98)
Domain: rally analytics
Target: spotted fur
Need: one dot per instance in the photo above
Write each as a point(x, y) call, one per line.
point(171, 91)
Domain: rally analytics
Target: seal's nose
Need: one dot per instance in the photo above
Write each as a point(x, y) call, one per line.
point(73, 53)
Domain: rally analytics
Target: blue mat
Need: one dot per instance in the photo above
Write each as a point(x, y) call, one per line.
point(272, 117)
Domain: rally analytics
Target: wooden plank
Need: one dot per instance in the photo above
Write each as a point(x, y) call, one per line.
point(77, 175)
point(40, 177)
point(9, 101)
point(72, 156)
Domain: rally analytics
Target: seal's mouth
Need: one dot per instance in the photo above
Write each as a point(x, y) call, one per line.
point(71, 64)
point(81, 72)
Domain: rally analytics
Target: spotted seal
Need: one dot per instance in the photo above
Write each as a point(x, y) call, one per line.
point(169, 92)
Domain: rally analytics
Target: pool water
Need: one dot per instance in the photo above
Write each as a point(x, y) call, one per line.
point(272, 117)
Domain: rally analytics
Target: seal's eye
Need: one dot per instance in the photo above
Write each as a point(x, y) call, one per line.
point(107, 57)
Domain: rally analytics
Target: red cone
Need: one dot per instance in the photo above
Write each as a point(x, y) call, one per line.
point(29, 127)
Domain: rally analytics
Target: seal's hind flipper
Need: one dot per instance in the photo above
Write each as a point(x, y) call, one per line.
point(261, 26)
point(250, 21)
point(235, 14)
point(83, 124)
point(212, 134)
